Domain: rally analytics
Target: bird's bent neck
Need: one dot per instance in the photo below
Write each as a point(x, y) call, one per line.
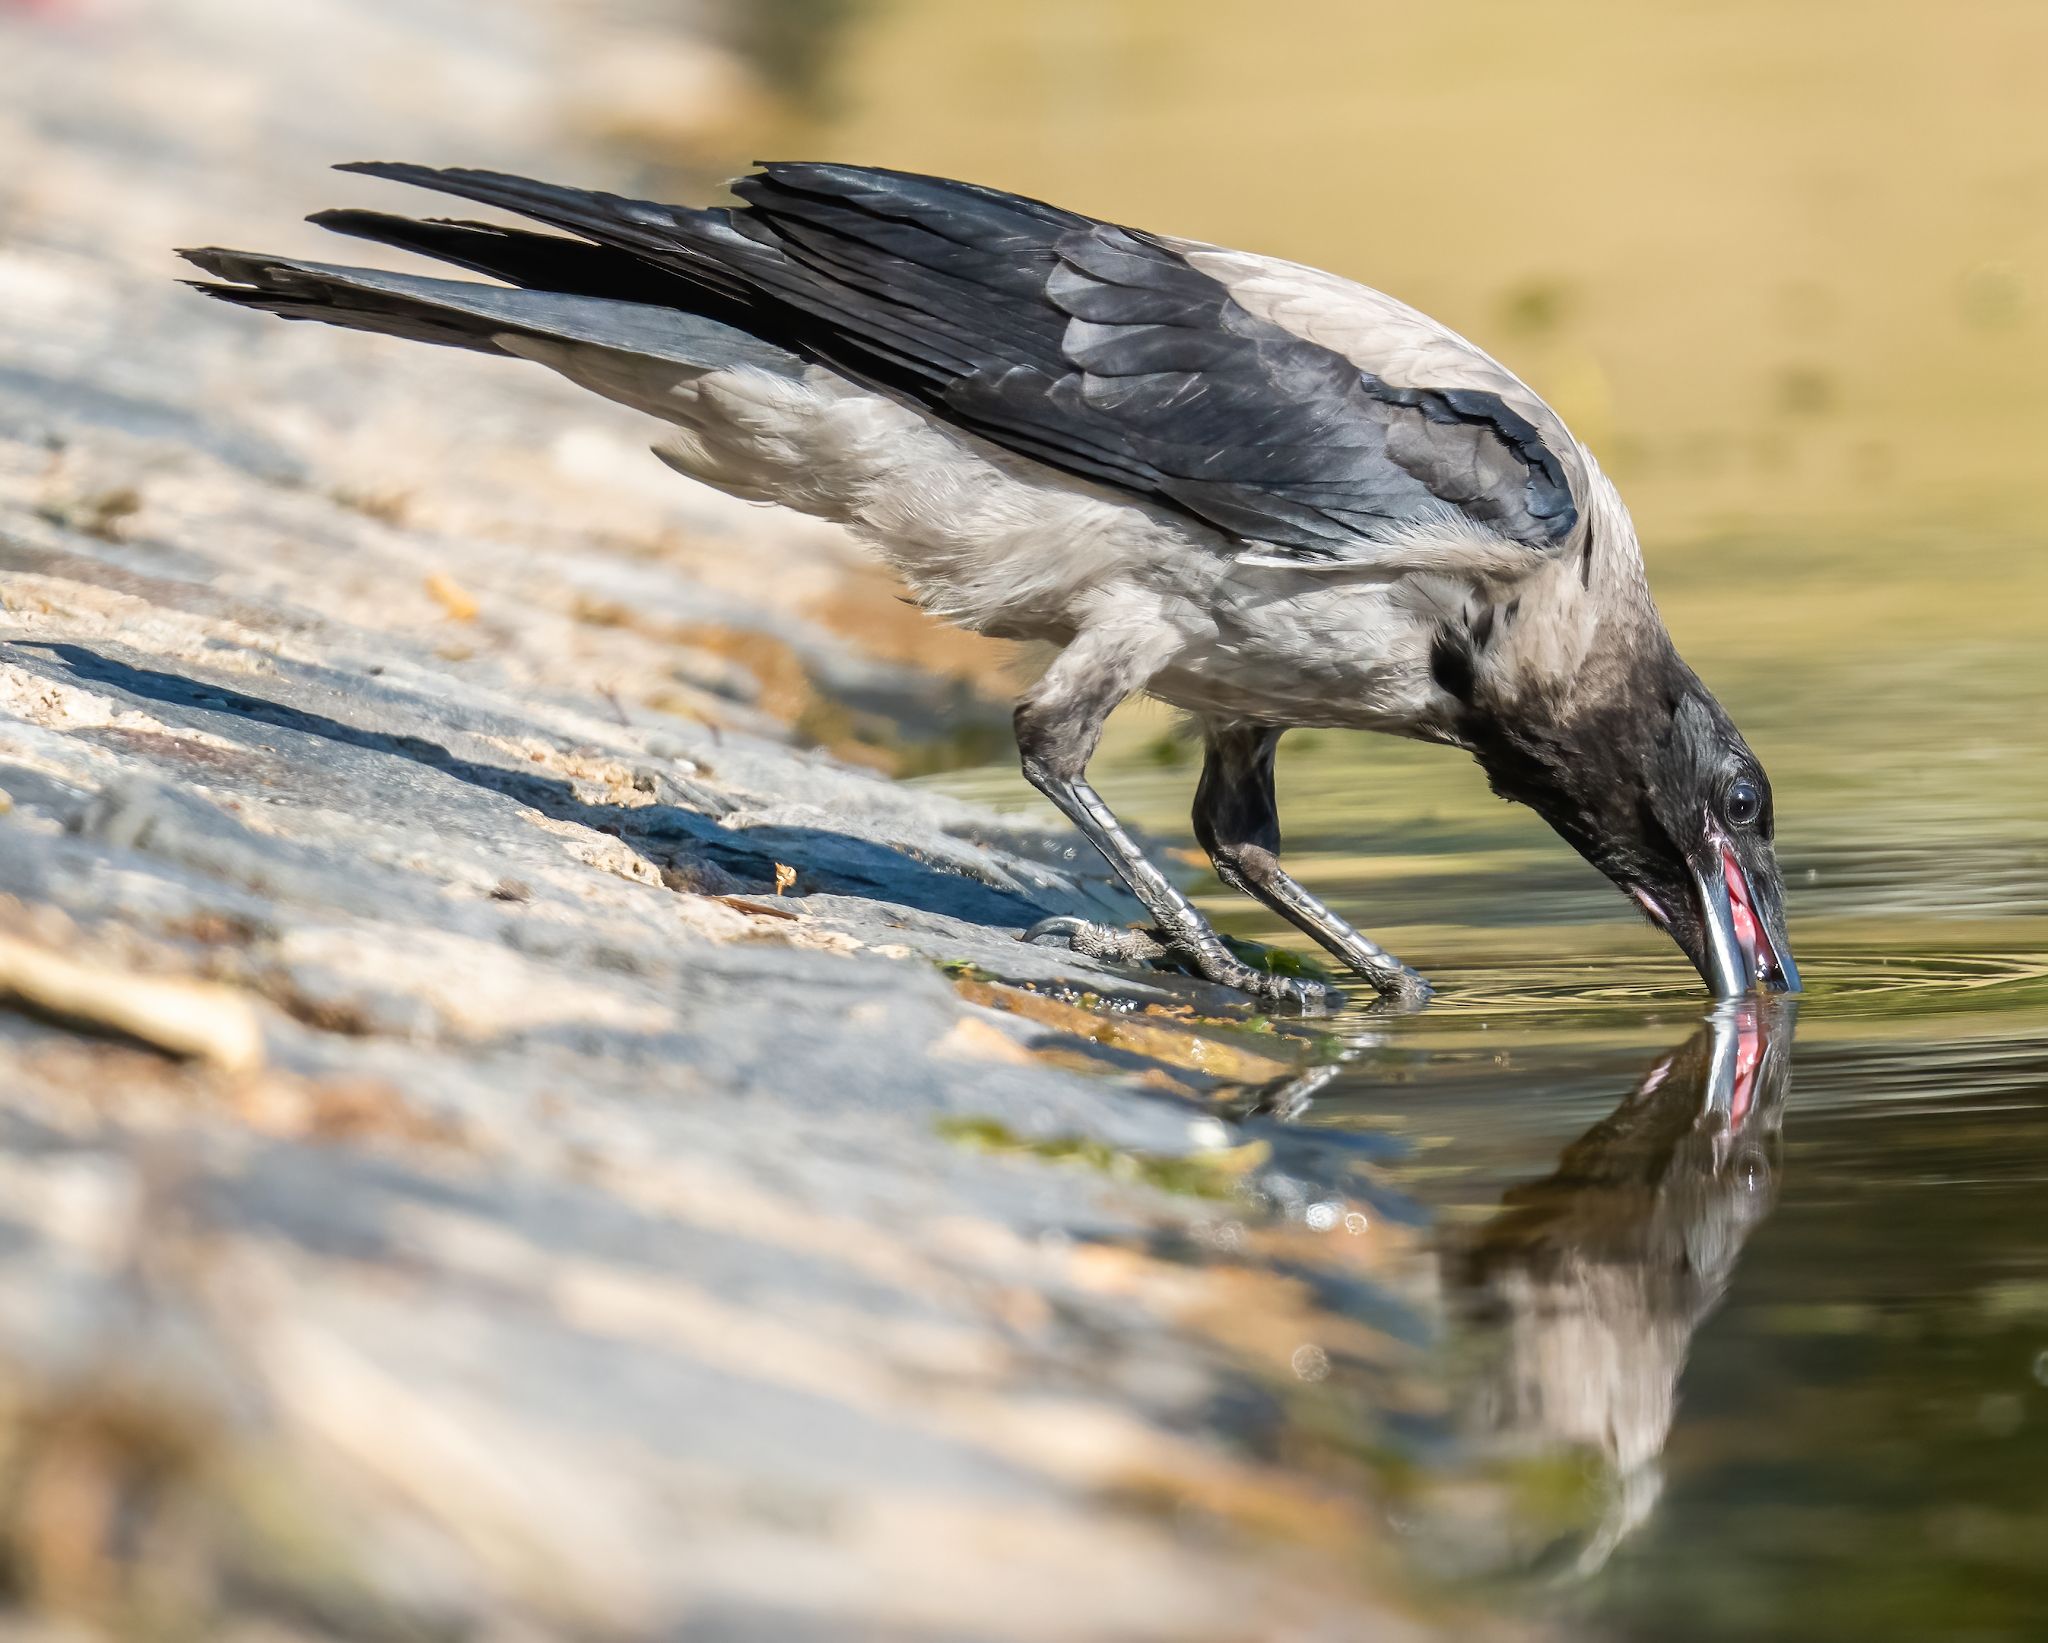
point(1564, 698)
point(1578, 755)
point(1568, 638)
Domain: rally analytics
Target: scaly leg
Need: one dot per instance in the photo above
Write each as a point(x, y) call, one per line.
point(1238, 823)
point(1059, 725)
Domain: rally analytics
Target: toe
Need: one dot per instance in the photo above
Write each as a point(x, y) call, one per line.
point(1056, 932)
point(1293, 994)
point(1403, 994)
point(1399, 987)
point(1316, 999)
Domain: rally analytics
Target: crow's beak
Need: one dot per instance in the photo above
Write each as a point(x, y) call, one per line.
point(1744, 936)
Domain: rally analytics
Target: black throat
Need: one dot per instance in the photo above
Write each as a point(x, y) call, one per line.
point(1584, 769)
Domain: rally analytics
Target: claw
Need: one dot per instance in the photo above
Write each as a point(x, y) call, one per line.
point(1059, 931)
point(1103, 941)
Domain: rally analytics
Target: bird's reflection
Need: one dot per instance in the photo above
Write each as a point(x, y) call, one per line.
point(1588, 1285)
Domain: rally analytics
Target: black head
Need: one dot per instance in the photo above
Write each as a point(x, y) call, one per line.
point(1661, 793)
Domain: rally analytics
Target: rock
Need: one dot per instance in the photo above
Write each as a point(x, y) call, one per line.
point(594, 1248)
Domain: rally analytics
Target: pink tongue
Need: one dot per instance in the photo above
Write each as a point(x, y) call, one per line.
point(1738, 905)
point(1745, 928)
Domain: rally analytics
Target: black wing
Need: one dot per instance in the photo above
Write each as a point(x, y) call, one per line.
point(1099, 350)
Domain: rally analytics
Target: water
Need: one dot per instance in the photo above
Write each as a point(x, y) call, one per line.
point(1846, 1281)
point(1797, 1316)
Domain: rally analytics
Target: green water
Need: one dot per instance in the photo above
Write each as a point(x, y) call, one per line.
point(1851, 1296)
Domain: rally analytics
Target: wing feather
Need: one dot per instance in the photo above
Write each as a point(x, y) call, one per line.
point(1410, 354)
point(1309, 418)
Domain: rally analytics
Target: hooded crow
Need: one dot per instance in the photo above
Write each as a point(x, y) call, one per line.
point(1256, 491)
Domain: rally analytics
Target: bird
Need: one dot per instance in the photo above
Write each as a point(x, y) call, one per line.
point(1261, 493)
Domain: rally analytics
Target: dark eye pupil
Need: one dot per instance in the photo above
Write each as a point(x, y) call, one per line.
point(1745, 804)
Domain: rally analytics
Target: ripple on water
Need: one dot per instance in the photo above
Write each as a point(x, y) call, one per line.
point(1845, 980)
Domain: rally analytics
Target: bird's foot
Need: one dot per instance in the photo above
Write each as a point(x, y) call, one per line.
point(1117, 945)
point(1402, 990)
point(1290, 995)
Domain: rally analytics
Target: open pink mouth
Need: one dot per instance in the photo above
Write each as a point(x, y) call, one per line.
point(1748, 936)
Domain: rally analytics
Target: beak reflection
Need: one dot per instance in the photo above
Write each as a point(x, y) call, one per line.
point(1585, 1290)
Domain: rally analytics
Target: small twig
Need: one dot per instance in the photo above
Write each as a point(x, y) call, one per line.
point(760, 909)
point(185, 1018)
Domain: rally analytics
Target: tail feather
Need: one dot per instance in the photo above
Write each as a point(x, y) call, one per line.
point(542, 262)
point(290, 291)
point(609, 219)
point(461, 313)
point(702, 248)
point(908, 284)
point(392, 320)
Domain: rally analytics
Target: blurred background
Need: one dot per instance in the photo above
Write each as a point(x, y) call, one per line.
point(1783, 264)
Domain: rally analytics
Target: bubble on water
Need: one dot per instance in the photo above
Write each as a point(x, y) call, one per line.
point(2041, 1367)
point(1355, 1224)
point(1311, 1362)
point(1289, 1196)
point(1227, 1236)
point(1321, 1217)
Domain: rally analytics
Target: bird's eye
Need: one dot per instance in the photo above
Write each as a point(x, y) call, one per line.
point(1744, 803)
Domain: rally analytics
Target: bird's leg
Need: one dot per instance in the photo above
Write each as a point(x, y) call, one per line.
point(1238, 822)
point(1059, 725)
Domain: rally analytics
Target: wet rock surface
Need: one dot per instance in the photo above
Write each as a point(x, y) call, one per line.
point(500, 1140)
